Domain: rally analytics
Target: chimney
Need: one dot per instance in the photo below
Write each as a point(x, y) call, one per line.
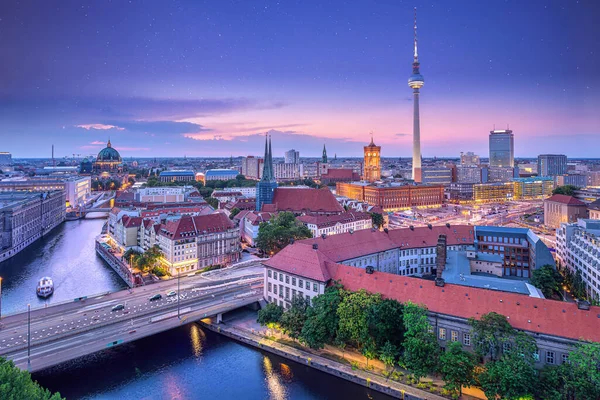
point(315, 246)
point(440, 251)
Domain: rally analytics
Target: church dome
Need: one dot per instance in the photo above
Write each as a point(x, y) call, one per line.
point(108, 154)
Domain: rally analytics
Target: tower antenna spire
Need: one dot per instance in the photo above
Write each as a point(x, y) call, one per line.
point(416, 53)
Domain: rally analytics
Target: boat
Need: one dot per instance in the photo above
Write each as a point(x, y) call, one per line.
point(45, 287)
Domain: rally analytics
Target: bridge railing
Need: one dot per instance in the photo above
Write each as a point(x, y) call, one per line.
point(58, 303)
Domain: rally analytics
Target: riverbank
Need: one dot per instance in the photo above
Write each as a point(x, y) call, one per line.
point(236, 328)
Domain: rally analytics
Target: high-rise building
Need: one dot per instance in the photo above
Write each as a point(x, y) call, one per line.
point(292, 157)
point(471, 174)
point(324, 158)
point(267, 184)
point(372, 162)
point(579, 180)
point(552, 164)
point(252, 167)
point(436, 175)
point(469, 158)
point(502, 174)
point(502, 150)
point(416, 82)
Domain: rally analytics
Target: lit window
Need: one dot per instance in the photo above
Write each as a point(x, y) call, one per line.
point(442, 333)
point(454, 336)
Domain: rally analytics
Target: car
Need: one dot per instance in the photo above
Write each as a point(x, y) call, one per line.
point(172, 293)
point(118, 307)
point(157, 296)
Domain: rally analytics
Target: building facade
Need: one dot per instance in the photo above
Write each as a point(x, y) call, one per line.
point(471, 174)
point(436, 175)
point(161, 194)
point(286, 171)
point(532, 188)
point(252, 167)
point(502, 151)
point(493, 192)
point(393, 197)
point(292, 157)
point(26, 217)
point(594, 209)
point(501, 174)
point(578, 180)
point(108, 160)
point(336, 224)
point(220, 175)
point(77, 188)
point(578, 249)
point(469, 159)
point(372, 164)
point(560, 209)
point(551, 164)
point(177, 176)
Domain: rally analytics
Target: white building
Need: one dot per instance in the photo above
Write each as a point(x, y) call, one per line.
point(292, 157)
point(78, 189)
point(578, 249)
point(161, 194)
point(336, 224)
point(286, 172)
point(252, 167)
point(250, 224)
point(245, 191)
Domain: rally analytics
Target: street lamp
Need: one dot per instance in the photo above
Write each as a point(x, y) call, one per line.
point(178, 294)
point(28, 337)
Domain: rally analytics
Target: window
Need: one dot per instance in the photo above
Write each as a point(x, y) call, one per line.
point(308, 299)
point(287, 292)
point(293, 281)
point(280, 277)
point(467, 339)
point(314, 287)
point(287, 279)
point(300, 284)
point(549, 357)
point(565, 358)
point(269, 287)
point(505, 347)
point(270, 299)
point(536, 356)
point(274, 289)
point(442, 333)
point(293, 293)
point(269, 273)
point(454, 336)
point(429, 329)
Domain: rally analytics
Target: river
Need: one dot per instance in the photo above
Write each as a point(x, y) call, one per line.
point(183, 363)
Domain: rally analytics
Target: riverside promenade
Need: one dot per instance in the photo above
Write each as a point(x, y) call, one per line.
point(360, 377)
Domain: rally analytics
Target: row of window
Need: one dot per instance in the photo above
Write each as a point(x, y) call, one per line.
point(303, 284)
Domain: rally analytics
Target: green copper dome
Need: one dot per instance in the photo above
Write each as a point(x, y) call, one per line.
point(108, 154)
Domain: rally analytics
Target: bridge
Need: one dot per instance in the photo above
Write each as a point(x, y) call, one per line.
point(70, 330)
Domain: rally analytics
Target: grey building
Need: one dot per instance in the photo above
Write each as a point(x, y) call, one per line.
point(26, 217)
point(502, 150)
point(436, 175)
point(292, 157)
point(552, 164)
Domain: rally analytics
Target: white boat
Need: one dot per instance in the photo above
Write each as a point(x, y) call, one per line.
point(45, 287)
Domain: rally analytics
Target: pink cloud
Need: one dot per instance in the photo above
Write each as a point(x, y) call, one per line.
point(101, 127)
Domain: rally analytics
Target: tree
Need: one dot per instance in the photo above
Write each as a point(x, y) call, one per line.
point(384, 319)
point(490, 332)
point(547, 279)
point(584, 366)
point(420, 345)
point(568, 190)
point(279, 231)
point(369, 350)
point(377, 220)
point(457, 367)
point(388, 354)
point(18, 385)
point(271, 313)
point(292, 321)
point(322, 319)
point(235, 211)
point(513, 376)
point(353, 317)
point(214, 203)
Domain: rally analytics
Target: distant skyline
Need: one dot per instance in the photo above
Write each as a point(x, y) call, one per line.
point(207, 79)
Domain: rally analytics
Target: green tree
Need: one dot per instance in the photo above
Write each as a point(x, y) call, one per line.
point(388, 354)
point(547, 279)
point(568, 190)
point(457, 367)
point(490, 332)
point(353, 317)
point(292, 321)
point(384, 319)
point(377, 220)
point(214, 203)
point(279, 231)
point(584, 368)
point(18, 385)
point(369, 350)
point(513, 376)
point(271, 313)
point(322, 319)
point(234, 211)
point(420, 345)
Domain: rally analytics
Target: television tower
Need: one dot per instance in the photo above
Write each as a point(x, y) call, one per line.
point(416, 82)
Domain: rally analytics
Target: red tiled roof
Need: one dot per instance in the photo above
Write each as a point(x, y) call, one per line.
point(256, 217)
point(241, 215)
point(564, 199)
point(193, 226)
point(300, 259)
point(131, 222)
point(304, 200)
point(526, 313)
point(194, 194)
point(346, 246)
point(330, 220)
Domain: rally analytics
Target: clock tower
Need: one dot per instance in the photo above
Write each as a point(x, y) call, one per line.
point(372, 166)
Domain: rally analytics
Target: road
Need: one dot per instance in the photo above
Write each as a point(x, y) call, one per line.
point(73, 329)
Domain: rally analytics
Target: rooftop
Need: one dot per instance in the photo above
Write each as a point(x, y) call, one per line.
point(304, 200)
point(193, 226)
point(177, 173)
point(564, 199)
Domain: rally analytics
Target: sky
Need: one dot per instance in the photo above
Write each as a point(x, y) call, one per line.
point(209, 78)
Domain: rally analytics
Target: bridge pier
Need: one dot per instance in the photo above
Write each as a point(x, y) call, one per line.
point(219, 318)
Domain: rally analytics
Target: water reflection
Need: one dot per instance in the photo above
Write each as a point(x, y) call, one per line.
point(197, 337)
point(274, 385)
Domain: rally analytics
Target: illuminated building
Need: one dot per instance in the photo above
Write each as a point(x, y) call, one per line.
point(416, 82)
point(493, 192)
point(502, 151)
point(579, 180)
point(469, 159)
point(372, 162)
point(436, 175)
point(108, 160)
point(252, 167)
point(532, 188)
point(177, 176)
point(393, 197)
